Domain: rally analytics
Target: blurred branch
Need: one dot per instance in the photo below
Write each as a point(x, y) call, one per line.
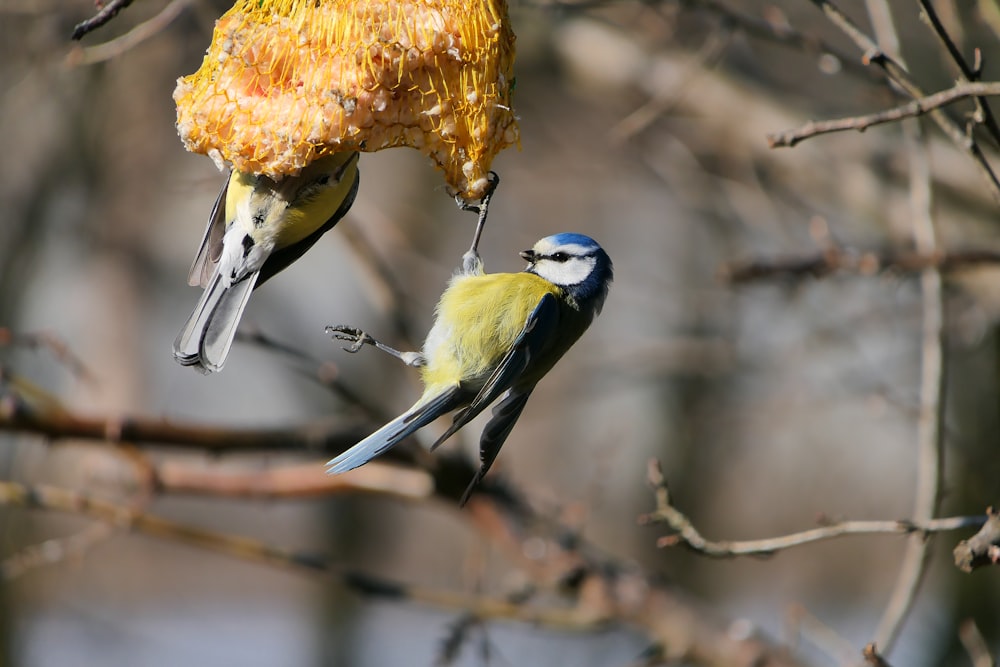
point(320, 437)
point(770, 28)
point(305, 480)
point(930, 420)
point(130, 519)
point(457, 635)
point(686, 534)
point(119, 45)
point(57, 550)
point(981, 549)
point(383, 281)
point(46, 340)
point(644, 116)
point(683, 632)
point(105, 14)
point(916, 107)
point(898, 74)
point(989, 13)
point(778, 31)
point(605, 590)
point(825, 638)
point(866, 263)
point(975, 645)
point(872, 656)
point(327, 374)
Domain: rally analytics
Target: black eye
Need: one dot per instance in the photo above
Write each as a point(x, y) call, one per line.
point(559, 257)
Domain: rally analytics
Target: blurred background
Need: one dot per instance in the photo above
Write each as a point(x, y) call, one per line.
point(770, 402)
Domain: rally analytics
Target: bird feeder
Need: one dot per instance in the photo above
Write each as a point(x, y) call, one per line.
point(287, 81)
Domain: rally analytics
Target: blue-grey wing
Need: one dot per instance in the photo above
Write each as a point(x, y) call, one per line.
point(535, 338)
point(210, 249)
point(396, 431)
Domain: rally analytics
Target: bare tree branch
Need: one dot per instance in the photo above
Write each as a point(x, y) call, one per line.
point(899, 75)
point(983, 113)
point(983, 548)
point(115, 47)
point(917, 107)
point(930, 420)
point(606, 592)
point(321, 437)
point(687, 535)
point(105, 14)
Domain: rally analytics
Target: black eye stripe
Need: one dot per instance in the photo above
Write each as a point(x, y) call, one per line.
point(565, 257)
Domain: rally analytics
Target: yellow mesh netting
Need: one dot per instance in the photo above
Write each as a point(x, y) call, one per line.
point(286, 81)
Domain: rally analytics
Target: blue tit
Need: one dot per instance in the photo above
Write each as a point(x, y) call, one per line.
point(258, 226)
point(494, 334)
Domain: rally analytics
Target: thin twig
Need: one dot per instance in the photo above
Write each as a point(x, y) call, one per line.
point(137, 35)
point(687, 535)
point(983, 113)
point(384, 280)
point(981, 549)
point(896, 72)
point(326, 374)
point(917, 107)
point(106, 13)
point(46, 340)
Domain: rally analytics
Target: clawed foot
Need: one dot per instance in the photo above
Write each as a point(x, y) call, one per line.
point(358, 339)
point(353, 335)
point(471, 263)
point(492, 181)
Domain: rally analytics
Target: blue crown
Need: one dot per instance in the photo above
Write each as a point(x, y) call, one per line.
point(574, 238)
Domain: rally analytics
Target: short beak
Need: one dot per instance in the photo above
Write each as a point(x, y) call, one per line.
point(528, 255)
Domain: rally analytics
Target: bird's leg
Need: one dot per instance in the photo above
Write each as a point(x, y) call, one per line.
point(359, 339)
point(471, 262)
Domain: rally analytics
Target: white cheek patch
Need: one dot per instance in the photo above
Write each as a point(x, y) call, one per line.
point(571, 272)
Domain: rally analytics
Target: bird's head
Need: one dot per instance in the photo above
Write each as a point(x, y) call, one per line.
point(574, 262)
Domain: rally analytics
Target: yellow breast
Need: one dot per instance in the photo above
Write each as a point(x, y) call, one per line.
point(478, 319)
point(285, 213)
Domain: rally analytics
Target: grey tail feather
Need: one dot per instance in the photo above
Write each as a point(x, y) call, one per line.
point(208, 334)
point(390, 435)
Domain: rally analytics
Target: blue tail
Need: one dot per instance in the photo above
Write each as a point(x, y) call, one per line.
point(390, 435)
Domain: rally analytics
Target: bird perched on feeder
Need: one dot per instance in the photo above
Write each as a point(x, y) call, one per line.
point(494, 335)
point(258, 227)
